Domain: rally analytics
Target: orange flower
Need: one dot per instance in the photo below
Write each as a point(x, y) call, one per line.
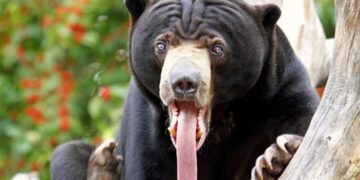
point(84, 1)
point(64, 124)
point(76, 10)
point(30, 83)
point(35, 114)
point(33, 98)
point(65, 90)
point(61, 10)
point(20, 51)
point(105, 93)
point(47, 21)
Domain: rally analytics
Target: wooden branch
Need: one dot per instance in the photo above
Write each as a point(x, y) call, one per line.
point(331, 146)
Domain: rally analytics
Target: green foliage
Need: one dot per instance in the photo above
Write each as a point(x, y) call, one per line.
point(63, 76)
point(325, 9)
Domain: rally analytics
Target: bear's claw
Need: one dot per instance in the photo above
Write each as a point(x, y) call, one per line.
point(273, 162)
point(103, 162)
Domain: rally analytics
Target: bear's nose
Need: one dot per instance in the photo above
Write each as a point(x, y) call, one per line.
point(185, 82)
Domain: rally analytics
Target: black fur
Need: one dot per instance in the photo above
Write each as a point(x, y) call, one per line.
point(70, 160)
point(261, 90)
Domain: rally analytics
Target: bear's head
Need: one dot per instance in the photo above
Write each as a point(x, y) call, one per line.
point(195, 54)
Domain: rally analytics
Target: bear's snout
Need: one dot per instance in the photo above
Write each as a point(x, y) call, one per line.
point(186, 75)
point(185, 81)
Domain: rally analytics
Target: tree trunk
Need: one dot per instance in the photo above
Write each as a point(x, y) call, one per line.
point(331, 146)
point(302, 27)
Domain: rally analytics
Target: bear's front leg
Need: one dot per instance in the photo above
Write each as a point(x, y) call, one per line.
point(273, 162)
point(104, 163)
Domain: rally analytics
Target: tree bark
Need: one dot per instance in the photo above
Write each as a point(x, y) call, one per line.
point(331, 146)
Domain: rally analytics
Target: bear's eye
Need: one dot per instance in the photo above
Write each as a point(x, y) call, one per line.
point(217, 49)
point(161, 47)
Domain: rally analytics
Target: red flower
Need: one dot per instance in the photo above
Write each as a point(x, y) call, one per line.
point(30, 83)
point(63, 111)
point(6, 39)
point(20, 51)
point(105, 93)
point(33, 98)
point(67, 85)
point(64, 124)
point(75, 27)
point(20, 164)
point(78, 30)
point(65, 76)
point(78, 37)
point(35, 114)
point(65, 90)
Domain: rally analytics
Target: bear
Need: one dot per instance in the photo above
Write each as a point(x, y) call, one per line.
point(216, 93)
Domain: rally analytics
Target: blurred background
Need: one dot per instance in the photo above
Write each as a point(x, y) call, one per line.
point(64, 76)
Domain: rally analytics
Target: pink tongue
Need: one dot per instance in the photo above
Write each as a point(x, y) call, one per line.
point(186, 142)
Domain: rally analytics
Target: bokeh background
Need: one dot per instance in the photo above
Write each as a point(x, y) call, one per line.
point(64, 76)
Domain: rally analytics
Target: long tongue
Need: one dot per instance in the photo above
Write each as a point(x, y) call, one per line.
point(186, 142)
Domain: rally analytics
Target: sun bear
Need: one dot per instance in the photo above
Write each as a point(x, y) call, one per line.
point(216, 93)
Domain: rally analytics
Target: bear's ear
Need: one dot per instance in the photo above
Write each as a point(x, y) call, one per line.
point(269, 15)
point(135, 7)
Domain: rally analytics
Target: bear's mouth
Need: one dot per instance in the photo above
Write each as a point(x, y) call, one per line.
point(187, 123)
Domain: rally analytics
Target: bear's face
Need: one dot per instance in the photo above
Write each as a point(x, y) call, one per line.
point(194, 55)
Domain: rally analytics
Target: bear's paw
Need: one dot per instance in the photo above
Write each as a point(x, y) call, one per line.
point(273, 162)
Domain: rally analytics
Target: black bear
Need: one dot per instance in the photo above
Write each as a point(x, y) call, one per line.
point(214, 83)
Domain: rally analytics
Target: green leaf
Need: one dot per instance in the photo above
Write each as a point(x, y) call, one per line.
point(95, 107)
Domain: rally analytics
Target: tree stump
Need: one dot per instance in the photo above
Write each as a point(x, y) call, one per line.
point(331, 146)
